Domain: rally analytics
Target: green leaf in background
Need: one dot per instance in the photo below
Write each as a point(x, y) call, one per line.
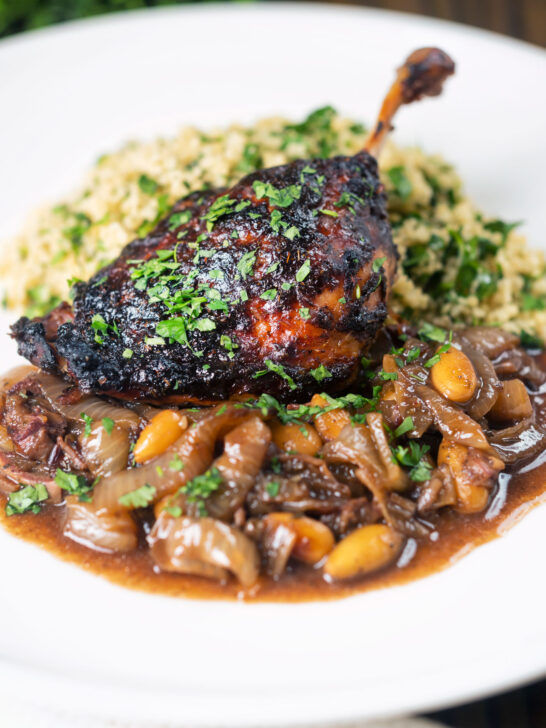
point(19, 15)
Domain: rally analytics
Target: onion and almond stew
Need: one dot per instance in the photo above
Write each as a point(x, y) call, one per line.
point(246, 492)
point(244, 300)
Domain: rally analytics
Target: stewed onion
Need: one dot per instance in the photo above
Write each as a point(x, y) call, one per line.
point(194, 449)
point(205, 547)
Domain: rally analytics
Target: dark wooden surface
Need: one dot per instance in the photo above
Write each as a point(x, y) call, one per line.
point(524, 19)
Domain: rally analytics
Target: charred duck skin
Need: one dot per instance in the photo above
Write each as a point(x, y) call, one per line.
point(299, 285)
point(278, 284)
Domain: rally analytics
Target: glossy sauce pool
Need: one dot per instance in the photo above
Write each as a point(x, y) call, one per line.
point(455, 535)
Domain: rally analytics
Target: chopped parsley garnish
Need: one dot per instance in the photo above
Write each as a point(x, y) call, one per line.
point(272, 488)
point(530, 341)
point(27, 499)
point(221, 206)
point(320, 373)
point(421, 472)
point(204, 324)
point(504, 228)
point(75, 233)
point(269, 295)
point(402, 185)
point(177, 219)
point(292, 232)
point(429, 332)
point(278, 197)
point(315, 132)
point(201, 487)
point(303, 272)
point(127, 353)
point(412, 456)
point(176, 463)
point(378, 262)
point(228, 345)
point(279, 225)
point(139, 498)
point(242, 205)
point(304, 314)
point(251, 159)
point(532, 303)
point(441, 350)
point(388, 376)
point(376, 266)
point(88, 422)
point(404, 427)
point(100, 327)
point(306, 170)
point(276, 369)
point(162, 207)
point(329, 213)
point(305, 413)
point(147, 185)
point(108, 425)
point(413, 354)
point(348, 199)
point(246, 264)
point(74, 484)
point(154, 341)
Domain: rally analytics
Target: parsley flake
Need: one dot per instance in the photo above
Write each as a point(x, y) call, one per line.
point(139, 498)
point(74, 484)
point(108, 425)
point(27, 499)
point(320, 373)
point(88, 422)
point(147, 184)
point(303, 272)
point(276, 369)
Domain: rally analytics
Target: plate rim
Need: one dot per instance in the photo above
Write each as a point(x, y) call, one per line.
point(273, 8)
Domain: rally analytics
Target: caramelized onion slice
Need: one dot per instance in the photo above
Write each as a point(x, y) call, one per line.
point(520, 441)
point(489, 340)
point(245, 448)
point(98, 528)
point(203, 546)
point(105, 453)
point(368, 448)
point(194, 449)
point(97, 409)
point(451, 421)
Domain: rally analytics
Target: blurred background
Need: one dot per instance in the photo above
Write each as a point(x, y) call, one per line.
point(525, 19)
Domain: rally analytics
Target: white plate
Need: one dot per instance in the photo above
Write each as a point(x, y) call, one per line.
point(71, 640)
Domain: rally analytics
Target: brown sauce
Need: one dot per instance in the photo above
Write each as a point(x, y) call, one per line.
point(515, 494)
point(520, 487)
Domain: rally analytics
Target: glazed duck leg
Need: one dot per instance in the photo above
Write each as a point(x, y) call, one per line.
point(277, 284)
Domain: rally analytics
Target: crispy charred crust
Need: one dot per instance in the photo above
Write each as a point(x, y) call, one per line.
point(424, 73)
point(33, 344)
point(340, 249)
